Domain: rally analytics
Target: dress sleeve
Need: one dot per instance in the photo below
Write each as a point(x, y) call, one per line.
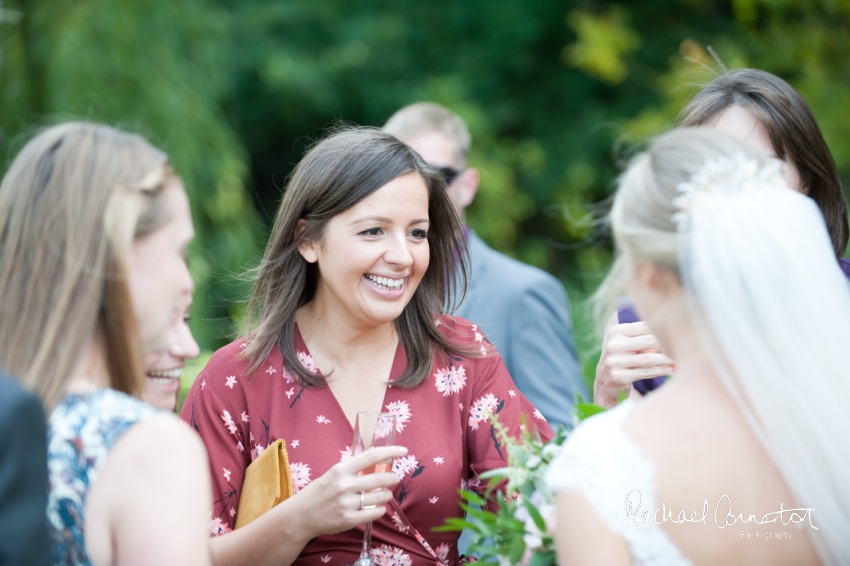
point(215, 412)
point(495, 392)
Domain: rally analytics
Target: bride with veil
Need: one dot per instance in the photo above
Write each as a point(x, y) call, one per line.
point(743, 457)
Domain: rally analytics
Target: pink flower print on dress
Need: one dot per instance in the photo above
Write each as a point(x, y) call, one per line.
point(232, 512)
point(231, 381)
point(538, 415)
point(290, 393)
point(295, 443)
point(438, 460)
point(386, 555)
point(401, 410)
point(300, 476)
point(240, 447)
point(219, 527)
point(450, 380)
point(244, 417)
point(383, 428)
point(443, 553)
point(402, 528)
point(270, 370)
point(226, 474)
point(434, 499)
point(424, 543)
point(255, 453)
point(345, 454)
point(325, 559)
point(321, 419)
point(288, 376)
point(482, 409)
point(511, 392)
point(307, 361)
point(228, 422)
point(405, 465)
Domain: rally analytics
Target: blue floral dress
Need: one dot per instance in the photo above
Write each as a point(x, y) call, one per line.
point(80, 433)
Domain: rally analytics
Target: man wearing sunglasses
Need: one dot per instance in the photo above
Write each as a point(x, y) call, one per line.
point(521, 309)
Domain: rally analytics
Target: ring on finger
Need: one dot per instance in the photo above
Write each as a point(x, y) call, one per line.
point(361, 501)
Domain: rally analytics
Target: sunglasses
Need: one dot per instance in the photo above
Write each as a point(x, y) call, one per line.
point(448, 174)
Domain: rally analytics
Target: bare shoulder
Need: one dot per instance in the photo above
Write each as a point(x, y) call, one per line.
point(706, 458)
point(155, 486)
point(155, 441)
point(582, 537)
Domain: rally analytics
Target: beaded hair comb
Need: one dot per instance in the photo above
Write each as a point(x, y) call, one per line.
point(724, 175)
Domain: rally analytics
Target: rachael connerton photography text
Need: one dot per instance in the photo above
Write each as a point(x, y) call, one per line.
point(723, 515)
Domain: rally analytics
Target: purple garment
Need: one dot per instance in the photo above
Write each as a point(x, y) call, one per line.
point(626, 314)
point(844, 264)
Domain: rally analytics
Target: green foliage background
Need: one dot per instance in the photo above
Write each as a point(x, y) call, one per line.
point(557, 94)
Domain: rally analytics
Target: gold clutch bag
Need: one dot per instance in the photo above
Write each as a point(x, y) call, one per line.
point(268, 481)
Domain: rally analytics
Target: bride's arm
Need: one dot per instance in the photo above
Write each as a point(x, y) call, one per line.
point(582, 538)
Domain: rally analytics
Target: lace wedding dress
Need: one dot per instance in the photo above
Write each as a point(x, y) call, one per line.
point(606, 466)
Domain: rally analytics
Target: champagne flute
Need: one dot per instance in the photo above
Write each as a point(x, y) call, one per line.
point(372, 429)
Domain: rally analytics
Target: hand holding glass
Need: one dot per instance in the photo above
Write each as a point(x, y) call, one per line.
point(372, 429)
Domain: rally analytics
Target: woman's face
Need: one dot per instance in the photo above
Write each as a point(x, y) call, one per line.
point(159, 276)
point(163, 369)
point(740, 123)
point(373, 256)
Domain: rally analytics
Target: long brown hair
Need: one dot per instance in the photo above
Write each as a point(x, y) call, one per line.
point(336, 174)
point(792, 129)
point(71, 204)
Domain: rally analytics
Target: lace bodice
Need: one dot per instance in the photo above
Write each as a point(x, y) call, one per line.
point(608, 468)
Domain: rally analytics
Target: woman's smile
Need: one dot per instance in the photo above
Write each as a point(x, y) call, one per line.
point(389, 287)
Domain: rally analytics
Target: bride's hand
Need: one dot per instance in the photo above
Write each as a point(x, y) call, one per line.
point(331, 503)
point(629, 352)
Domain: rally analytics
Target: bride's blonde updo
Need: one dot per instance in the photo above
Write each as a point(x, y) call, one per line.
point(642, 214)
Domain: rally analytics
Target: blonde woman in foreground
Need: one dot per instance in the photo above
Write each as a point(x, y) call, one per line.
point(93, 231)
point(736, 276)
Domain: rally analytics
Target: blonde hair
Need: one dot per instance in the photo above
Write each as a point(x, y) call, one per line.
point(71, 204)
point(642, 215)
point(427, 117)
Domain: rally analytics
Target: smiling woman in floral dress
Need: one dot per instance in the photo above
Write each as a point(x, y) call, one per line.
point(346, 316)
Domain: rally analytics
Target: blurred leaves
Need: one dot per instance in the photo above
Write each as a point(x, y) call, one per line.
point(602, 42)
point(557, 96)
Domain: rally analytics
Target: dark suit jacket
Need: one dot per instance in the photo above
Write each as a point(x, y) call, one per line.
point(523, 312)
point(23, 478)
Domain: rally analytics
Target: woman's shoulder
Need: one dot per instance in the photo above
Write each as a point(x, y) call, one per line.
point(230, 359)
point(105, 410)
point(464, 332)
point(163, 437)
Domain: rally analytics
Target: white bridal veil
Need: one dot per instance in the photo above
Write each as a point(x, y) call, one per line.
point(759, 270)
